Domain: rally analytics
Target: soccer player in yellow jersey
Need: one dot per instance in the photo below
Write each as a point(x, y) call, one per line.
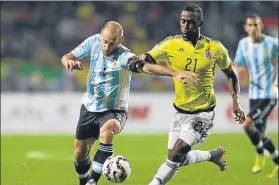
point(194, 103)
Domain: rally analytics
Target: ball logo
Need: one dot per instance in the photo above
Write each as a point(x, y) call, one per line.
point(208, 54)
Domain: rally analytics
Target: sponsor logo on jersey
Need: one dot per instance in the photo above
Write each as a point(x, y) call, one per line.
point(181, 49)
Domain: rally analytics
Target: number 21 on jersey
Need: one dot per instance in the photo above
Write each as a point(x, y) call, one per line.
point(191, 64)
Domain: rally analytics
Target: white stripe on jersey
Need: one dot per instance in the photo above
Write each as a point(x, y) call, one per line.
point(97, 80)
point(262, 70)
point(251, 62)
point(123, 98)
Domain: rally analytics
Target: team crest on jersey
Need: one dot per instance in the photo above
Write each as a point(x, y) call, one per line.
point(208, 54)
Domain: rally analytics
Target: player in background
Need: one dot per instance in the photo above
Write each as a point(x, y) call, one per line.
point(194, 104)
point(258, 53)
point(104, 106)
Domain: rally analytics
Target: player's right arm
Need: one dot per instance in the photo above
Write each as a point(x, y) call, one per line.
point(72, 59)
point(147, 63)
point(239, 62)
point(157, 54)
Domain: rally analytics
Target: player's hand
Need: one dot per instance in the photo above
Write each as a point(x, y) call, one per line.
point(182, 77)
point(136, 58)
point(238, 112)
point(71, 65)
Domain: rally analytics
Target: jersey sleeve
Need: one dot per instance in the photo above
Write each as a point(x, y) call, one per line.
point(123, 59)
point(223, 60)
point(239, 57)
point(83, 50)
point(275, 48)
point(159, 52)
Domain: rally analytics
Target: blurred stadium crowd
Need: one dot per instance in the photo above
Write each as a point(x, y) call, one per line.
point(34, 36)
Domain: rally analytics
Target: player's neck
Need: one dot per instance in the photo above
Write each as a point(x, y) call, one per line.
point(257, 39)
point(194, 38)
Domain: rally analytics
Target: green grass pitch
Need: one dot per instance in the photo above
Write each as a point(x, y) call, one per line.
point(48, 160)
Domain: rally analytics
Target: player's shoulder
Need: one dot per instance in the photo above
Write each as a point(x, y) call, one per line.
point(243, 40)
point(123, 49)
point(270, 39)
point(97, 37)
point(170, 39)
point(94, 38)
point(214, 43)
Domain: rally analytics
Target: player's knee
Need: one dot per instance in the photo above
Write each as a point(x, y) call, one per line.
point(179, 152)
point(248, 123)
point(108, 130)
point(263, 134)
point(106, 136)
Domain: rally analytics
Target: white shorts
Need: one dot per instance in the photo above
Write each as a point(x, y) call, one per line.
point(191, 128)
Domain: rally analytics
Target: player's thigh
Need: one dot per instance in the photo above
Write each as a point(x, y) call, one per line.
point(113, 122)
point(196, 127)
point(174, 131)
point(259, 112)
point(87, 126)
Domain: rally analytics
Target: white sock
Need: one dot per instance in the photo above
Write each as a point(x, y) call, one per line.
point(260, 145)
point(165, 173)
point(196, 156)
point(274, 154)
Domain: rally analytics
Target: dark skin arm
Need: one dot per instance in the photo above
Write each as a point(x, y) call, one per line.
point(234, 89)
point(146, 64)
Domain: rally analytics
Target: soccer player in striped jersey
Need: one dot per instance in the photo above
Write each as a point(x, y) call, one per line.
point(105, 103)
point(194, 104)
point(258, 53)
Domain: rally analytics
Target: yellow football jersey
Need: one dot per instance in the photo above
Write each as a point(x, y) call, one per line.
point(182, 55)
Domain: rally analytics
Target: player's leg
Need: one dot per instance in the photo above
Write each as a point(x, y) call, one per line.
point(253, 125)
point(169, 168)
point(268, 145)
point(85, 137)
point(111, 123)
point(254, 135)
point(82, 159)
point(215, 156)
point(188, 137)
point(267, 142)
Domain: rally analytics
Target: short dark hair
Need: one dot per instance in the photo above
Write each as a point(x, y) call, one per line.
point(253, 16)
point(195, 9)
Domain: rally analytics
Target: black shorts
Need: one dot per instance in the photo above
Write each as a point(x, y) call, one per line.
point(89, 123)
point(260, 110)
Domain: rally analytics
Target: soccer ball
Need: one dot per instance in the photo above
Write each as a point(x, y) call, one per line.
point(116, 169)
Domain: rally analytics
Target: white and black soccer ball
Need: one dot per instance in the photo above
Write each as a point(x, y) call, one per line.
point(116, 169)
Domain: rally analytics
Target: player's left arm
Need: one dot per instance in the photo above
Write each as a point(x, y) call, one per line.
point(224, 63)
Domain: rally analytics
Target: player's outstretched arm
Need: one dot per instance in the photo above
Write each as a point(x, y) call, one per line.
point(145, 64)
point(69, 61)
point(157, 69)
point(234, 90)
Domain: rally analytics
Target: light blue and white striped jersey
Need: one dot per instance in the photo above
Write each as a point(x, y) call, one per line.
point(261, 59)
point(108, 81)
